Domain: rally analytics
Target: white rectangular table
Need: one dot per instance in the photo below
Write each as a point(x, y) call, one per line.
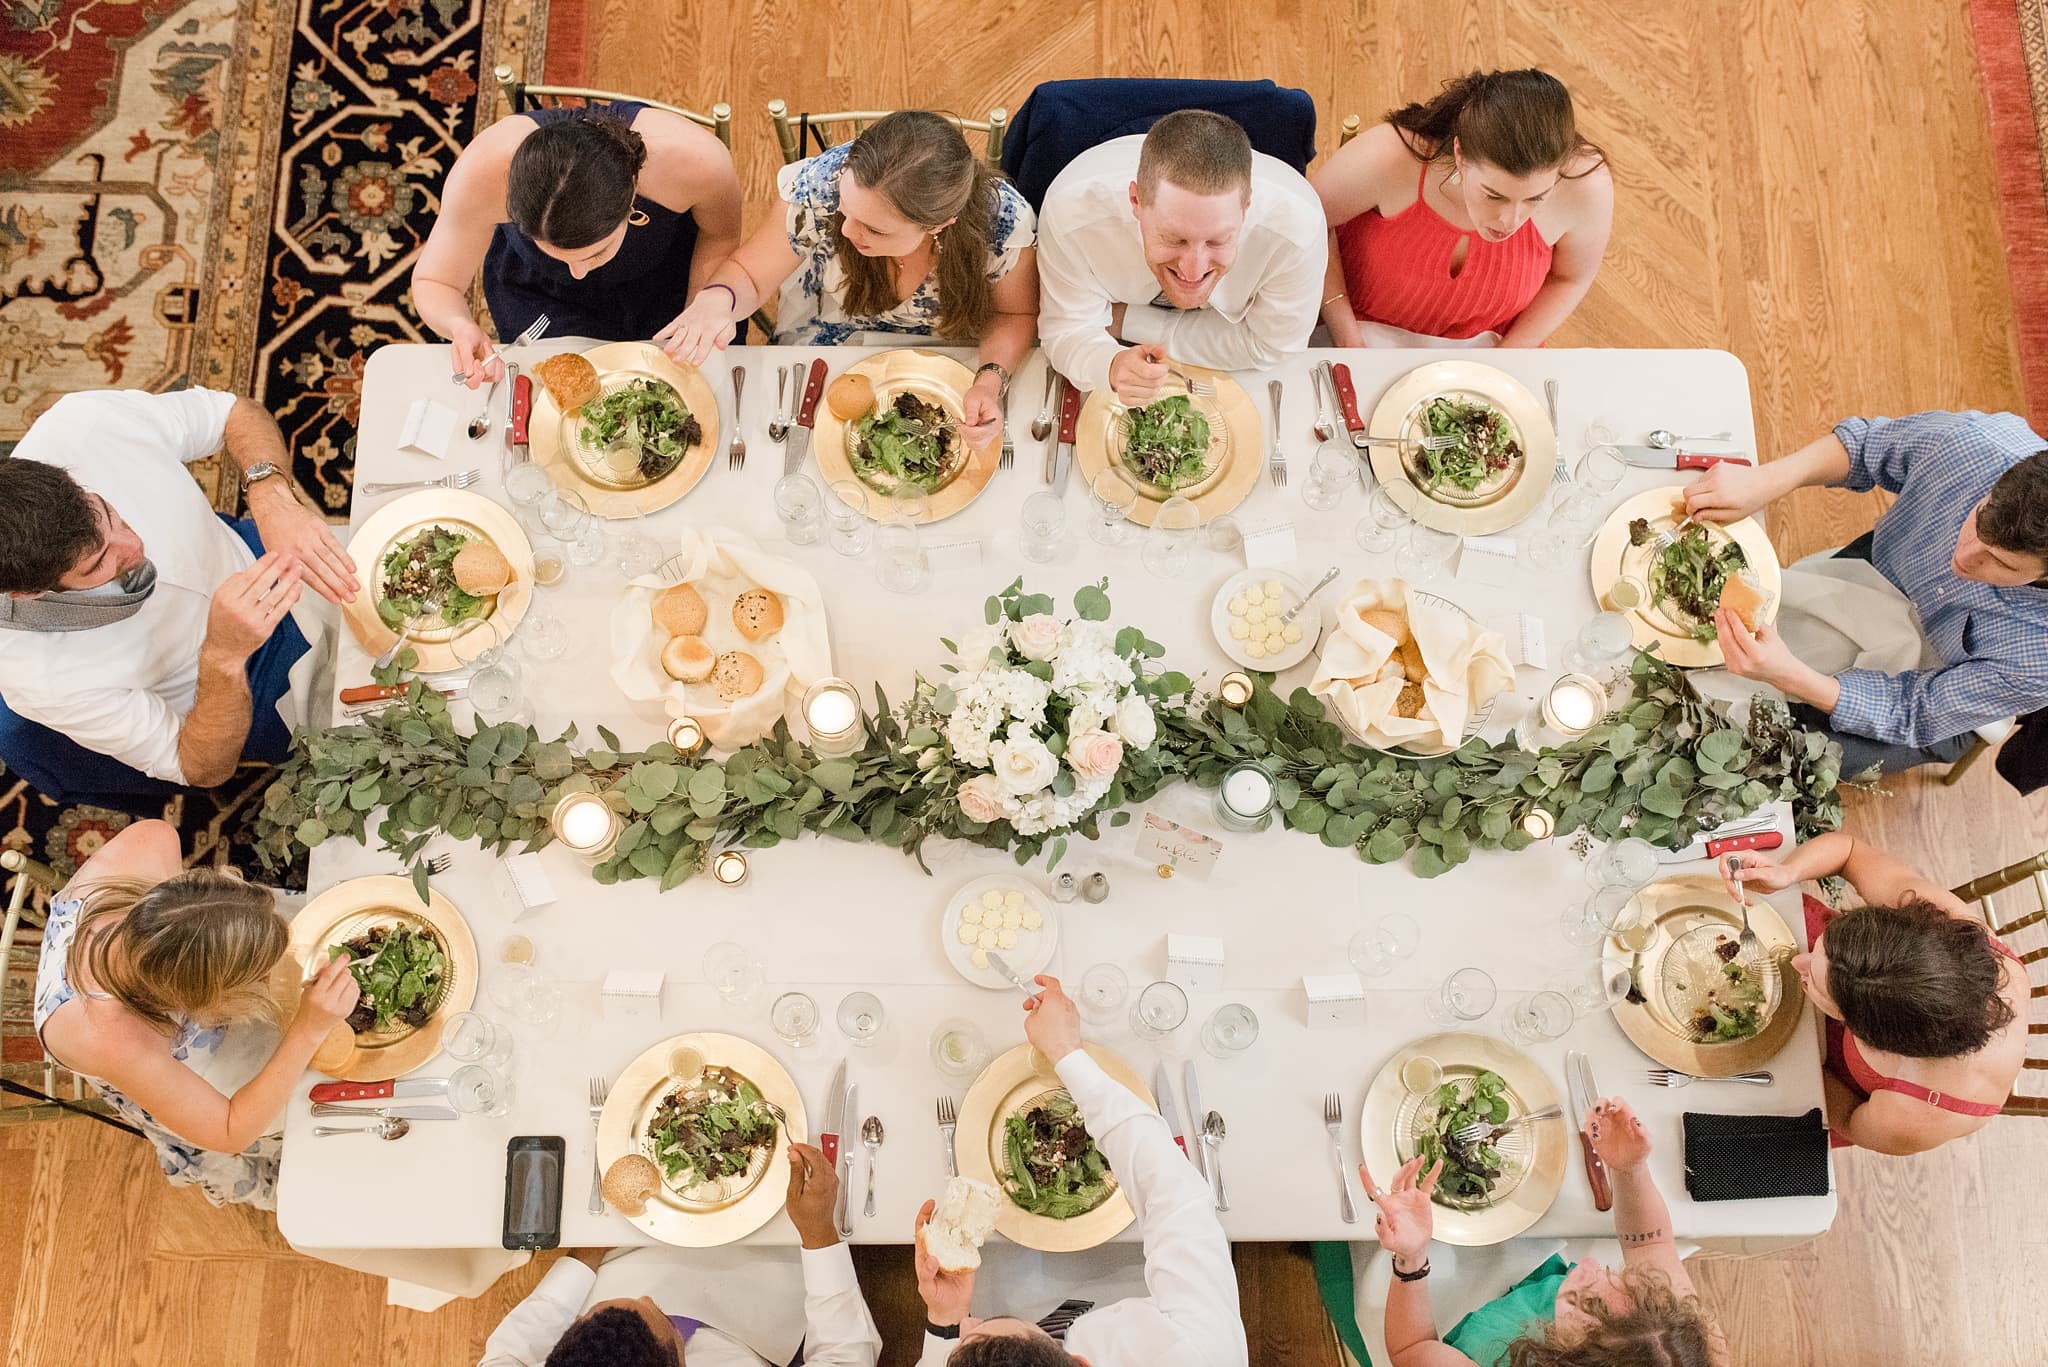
point(829, 917)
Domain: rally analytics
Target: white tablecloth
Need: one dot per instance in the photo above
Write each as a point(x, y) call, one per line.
point(828, 917)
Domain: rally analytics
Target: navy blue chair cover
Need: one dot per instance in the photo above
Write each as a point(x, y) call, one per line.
point(1062, 119)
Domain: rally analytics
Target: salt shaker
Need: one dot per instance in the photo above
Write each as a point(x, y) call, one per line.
point(1095, 887)
point(1065, 888)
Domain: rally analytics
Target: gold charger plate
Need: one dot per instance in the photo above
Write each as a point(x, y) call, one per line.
point(1010, 1083)
point(1613, 557)
point(555, 442)
point(1237, 448)
point(459, 511)
point(1675, 906)
point(1391, 1114)
point(1500, 502)
point(933, 378)
point(703, 1219)
point(347, 910)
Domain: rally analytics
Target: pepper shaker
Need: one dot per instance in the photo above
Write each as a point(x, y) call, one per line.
point(1095, 887)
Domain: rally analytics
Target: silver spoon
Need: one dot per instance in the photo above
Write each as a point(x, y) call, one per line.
point(391, 1127)
point(778, 426)
point(1212, 1139)
point(1041, 426)
point(871, 1140)
point(1665, 437)
point(481, 423)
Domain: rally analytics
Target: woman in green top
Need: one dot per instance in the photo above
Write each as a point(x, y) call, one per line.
point(1557, 1316)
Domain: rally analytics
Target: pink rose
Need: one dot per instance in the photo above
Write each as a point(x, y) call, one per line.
point(1095, 755)
point(981, 798)
point(1037, 637)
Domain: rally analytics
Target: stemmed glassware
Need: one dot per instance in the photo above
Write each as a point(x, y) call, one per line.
point(800, 505)
point(1538, 1018)
point(901, 562)
point(1171, 538)
point(794, 1018)
point(1463, 997)
point(633, 546)
point(736, 975)
point(494, 682)
point(1606, 911)
point(1392, 938)
point(1424, 552)
point(1042, 527)
point(860, 1017)
point(1331, 471)
point(846, 513)
point(1114, 497)
point(1231, 1029)
point(1103, 991)
point(1160, 1010)
point(566, 517)
point(1604, 640)
point(1383, 518)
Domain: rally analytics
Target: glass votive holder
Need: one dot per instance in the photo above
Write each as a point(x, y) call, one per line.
point(959, 1049)
point(729, 868)
point(1230, 1030)
point(1574, 705)
point(1538, 824)
point(1245, 798)
point(686, 735)
point(1234, 689)
point(831, 709)
point(586, 825)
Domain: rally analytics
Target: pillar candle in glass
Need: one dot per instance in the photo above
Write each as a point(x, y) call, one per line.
point(832, 714)
point(686, 735)
point(729, 867)
point(1244, 800)
point(1574, 704)
point(586, 825)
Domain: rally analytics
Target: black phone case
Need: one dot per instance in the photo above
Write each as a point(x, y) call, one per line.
point(542, 1166)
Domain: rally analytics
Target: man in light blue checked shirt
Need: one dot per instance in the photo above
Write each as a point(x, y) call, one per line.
point(1966, 543)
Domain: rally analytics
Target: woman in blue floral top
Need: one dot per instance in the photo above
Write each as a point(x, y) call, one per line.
point(147, 971)
point(901, 231)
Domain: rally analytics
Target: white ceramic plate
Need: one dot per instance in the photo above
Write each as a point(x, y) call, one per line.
point(1033, 949)
point(1309, 619)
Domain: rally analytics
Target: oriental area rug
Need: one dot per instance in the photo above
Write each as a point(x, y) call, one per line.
point(2012, 58)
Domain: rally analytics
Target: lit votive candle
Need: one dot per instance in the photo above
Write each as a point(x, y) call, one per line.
point(686, 735)
point(586, 825)
point(1573, 704)
point(1244, 802)
point(729, 867)
point(832, 713)
point(1234, 689)
point(1539, 824)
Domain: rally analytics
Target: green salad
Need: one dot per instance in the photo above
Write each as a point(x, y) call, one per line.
point(1167, 443)
point(1052, 1166)
point(1734, 1005)
point(1470, 1172)
point(910, 442)
point(1483, 445)
point(399, 971)
point(419, 580)
point(1688, 574)
point(648, 414)
point(710, 1129)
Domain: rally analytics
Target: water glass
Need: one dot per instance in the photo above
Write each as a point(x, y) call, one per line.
point(1597, 984)
point(1600, 430)
point(860, 1017)
point(1425, 552)
point(846, 515)
point(1160, 1010)
point(1605, 911)
point(1222, 534)
point(1383, 517)
point(543, 635)
point(1171, 538)
point(1104, 990)
point(479, 642)
point(1628, 862)
point(1042, 527)
point(530, 995)
point(526, 484)
point(1230, 1030)
point(634, 548)
point(1600, 469)
point(1463, 997)
point(901, 563)
point(729, 968)
point(1333, 470)
point(1114, 497)
point(1392, 938)
point(1538, 1018)
point(566, 517)
point(474, 1089)
point(1577, 513)
point(1606, 639)
point(959, 1049)
point(800, 506)
point(471, 1038)
point(794, 1018)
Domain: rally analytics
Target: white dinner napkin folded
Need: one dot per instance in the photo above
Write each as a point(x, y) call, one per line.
point(723, 564)
point(1359, 674)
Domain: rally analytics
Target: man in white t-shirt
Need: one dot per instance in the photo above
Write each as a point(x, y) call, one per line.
point(132, 618)
point(1183, 244)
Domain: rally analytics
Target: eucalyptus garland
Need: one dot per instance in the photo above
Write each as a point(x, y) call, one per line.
point(1665, 764)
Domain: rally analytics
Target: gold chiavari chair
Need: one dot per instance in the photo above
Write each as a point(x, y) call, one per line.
point(521, 97)
point(37, 1079)
point(791, 135)
point(1349, 131)
point(2026, 934)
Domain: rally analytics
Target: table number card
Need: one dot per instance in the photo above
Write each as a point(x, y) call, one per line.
point(1194, 961)
point(1175, 849)
point(429, 428)
point(1488, 560)
point(527, 879)
point(954, 555)
point(1272, 545)
point(632, 994)
point(1334, 1000)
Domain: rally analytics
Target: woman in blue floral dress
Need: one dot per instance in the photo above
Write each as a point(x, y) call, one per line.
point(901, 232)
point(150, 977)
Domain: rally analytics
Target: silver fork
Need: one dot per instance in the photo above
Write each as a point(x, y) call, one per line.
point(1559, 475)
point(440, 864)
point(599, 1090)
point(1275, 466)
point(1671, 1077)
point(535, 330)
point(1009, 455)
point(1481, 1132)
point(736, 453)
point(1333, 1116)
point(778, 426)
point(461, 479)
point(1200, 389)
point(949, 1120)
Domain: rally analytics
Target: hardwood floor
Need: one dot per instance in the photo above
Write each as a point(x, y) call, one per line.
point(1802, 182)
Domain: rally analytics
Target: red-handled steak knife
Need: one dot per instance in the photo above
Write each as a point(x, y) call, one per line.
point(1347, 401)
point(1760, 840)
point(522, 409)
point(1070, 422)
point(806, 418)
point(373, 1091)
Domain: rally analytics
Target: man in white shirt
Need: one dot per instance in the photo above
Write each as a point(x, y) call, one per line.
point(1190, 1316)
point(132, 618)
point(552, 1326)
point(1185, 243)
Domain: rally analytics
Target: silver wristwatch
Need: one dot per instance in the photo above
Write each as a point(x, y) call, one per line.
point(262, 469)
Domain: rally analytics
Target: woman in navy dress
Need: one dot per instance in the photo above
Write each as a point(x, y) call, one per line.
point(604, 219)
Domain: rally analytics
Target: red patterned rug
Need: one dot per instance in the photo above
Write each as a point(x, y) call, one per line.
point(2012, 57)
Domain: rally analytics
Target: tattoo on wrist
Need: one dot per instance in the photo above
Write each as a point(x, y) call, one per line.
point(1648, 1237)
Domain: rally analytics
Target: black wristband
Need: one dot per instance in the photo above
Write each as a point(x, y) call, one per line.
point(942, 1331)
point(1417, 1275)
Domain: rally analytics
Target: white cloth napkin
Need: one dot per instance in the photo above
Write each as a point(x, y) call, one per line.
point(723, 564)
point(1844, 614)
point(1357, 673)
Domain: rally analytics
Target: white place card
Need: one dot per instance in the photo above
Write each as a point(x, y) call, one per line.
point(429, 428)
point(632, 994)
point(954, 555)
point(1272, 545)
point(1534, 649)
point(1334, 1000)
point(527, 877)
point(1175, 849)
point(1194, 961)
point(1488, 560)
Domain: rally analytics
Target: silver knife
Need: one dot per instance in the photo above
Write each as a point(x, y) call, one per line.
point(1163, 1085)
point(844, 1212)
point(329, 1108)
point(1702, 846)
point(1665, 458)
point(806, 415)
point(1582, 1094)
point(1070, 421)
point(1002, 966)
point(1054, 400)
point(1195, 1114)
point(835, 1116)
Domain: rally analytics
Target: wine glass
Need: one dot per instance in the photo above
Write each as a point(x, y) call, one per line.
point(1171, 538)
point(525, 483)
point(1222, 534)
point(1160, 1010)
point(1383, 518)
point(1600, 469)
point(542, 634)
point(800, 506)
point(1424, 552)
point(1605, 639)
point(1230, 1030)
point(860, 1017)
point(846, 514)
point(633, 545)
point(1331, 471)
point(1103, 991)
point(1461, 998)
point(901, 564)
point(1392, 938)
point(1538, 1018)
point(1605, 911)
point(530, 995)
point(566, 517)
point(471, 1038)
point(1597, 984)
point(1628, 862)
point(1042, 527)
point(1114, 498)
point(733, 971)
point(794, 1018)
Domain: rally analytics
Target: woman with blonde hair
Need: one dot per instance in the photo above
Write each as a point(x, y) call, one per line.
point(147, 972)
point(903, 231)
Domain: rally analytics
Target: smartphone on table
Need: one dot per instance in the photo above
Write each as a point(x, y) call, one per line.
point(533, 1191)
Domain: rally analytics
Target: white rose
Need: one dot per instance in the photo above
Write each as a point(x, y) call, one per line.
point(976, 645)
point(929, 758)
point(1037, 637)
point(1135, 722)
point(1095, 755)
point(1085, 717)
point(981, 798)
point(1022, 763)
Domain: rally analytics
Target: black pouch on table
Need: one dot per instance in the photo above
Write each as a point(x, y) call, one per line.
point(1744, 1157)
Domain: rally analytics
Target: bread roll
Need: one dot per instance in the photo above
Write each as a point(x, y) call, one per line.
point(1386, 621)
point(480, 568)
point(965, 1216)
point(1410, 656)
point(757, 613)
point(1742, 599)
point(629, 1182)
point(1409, 704)
point(688, 659)
point(571, 381)
point(736, 674)
point(850, 397)
point(680, 611)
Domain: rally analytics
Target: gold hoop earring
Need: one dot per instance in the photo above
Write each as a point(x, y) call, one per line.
point(637, 218)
